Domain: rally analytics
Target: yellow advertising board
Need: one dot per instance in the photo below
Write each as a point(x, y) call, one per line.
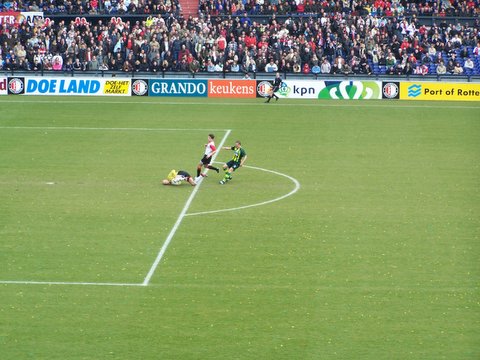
point(439, 91)
point(117, 87)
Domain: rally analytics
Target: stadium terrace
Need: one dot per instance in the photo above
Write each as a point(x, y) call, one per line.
point(316, 38)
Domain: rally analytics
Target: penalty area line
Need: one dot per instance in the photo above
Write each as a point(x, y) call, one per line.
point(175, 227)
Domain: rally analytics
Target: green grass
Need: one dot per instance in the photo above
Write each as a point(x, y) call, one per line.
point(375, 257)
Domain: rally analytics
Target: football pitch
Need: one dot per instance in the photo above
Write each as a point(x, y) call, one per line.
point(353, 231)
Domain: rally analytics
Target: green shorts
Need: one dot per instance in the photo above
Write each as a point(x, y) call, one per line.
point(234, 165)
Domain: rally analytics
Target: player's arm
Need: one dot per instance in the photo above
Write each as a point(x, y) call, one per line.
point(243, 160)
point(214, 150)
point(227, 148)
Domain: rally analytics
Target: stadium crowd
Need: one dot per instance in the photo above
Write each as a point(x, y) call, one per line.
point(356, 37)
point(252, 7)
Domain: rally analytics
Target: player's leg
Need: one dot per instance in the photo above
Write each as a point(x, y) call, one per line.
point(228, 174)
point(213, 168)
point(233, 168)
point(273, 93)
point(207, 164)
point(203, 162)
point(227, 168)
point(191, 181)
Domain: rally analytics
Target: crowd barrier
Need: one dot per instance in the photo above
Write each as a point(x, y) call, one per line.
point(225, 88)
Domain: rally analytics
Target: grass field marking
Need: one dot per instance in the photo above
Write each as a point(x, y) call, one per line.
point(100, 129)
point(312, 104)
point(169, 238)
point(163, 249)
point(66, 283)
point(296, 188)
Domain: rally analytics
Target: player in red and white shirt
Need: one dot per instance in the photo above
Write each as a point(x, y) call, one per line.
point(210, 150)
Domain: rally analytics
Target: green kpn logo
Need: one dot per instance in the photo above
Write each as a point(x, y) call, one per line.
point(284, 89)
point(350, 90)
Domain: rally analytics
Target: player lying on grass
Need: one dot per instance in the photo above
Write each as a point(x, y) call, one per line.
point(176, 178)
point(239, 158)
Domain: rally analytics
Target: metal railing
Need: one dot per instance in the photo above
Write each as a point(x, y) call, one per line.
point(240, 75)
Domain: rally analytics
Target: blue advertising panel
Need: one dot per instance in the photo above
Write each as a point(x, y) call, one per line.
point(185, 87)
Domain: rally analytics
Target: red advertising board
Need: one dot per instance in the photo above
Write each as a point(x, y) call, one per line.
point(14, 18)
point(232, 88)
point(9, 18)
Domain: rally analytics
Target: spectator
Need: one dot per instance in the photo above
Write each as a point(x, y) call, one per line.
point(450, 67)
point(421, 69)
point(57, 63)
point(365, 66)
point(441, 69)
point(457, 70)
point(271, 67)
point(468, 65)
point(77, 65)
point(325, 68)
point(476, 50)
point(338, 65)
point(408, 69)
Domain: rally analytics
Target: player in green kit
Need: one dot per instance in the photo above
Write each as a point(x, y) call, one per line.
point(239, 158)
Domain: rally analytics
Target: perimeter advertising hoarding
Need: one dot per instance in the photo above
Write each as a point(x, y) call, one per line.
point(184, 88)
point(16, 18)
point(3, 86)
point(440, 91)
point(232, 88)
point(320, 89)
point(68, 86)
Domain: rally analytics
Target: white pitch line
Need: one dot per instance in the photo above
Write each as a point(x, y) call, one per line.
point(65, 283)
point(163, 249)
point(295, 181)
point(347, 103)
point(99, 129)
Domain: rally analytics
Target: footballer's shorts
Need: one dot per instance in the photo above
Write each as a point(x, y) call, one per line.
point(206, 160)
point(233, 164)
point(185, 174)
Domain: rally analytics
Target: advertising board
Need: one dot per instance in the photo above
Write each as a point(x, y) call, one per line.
point(440, 91)
point(3, 86)
point(231, 88)
point(140, 87)
point(320, 89)
point(68, 86)
point(15, 18)
point(183, 88)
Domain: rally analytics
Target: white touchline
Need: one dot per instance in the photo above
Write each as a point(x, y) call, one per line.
point(163, 249)
point(99, 129)
point(65, 283)
point(295, 181)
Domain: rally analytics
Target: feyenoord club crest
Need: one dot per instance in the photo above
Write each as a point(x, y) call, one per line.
point(264, 88)
point(140, 87)
point(16, 86)
point(390, 90)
